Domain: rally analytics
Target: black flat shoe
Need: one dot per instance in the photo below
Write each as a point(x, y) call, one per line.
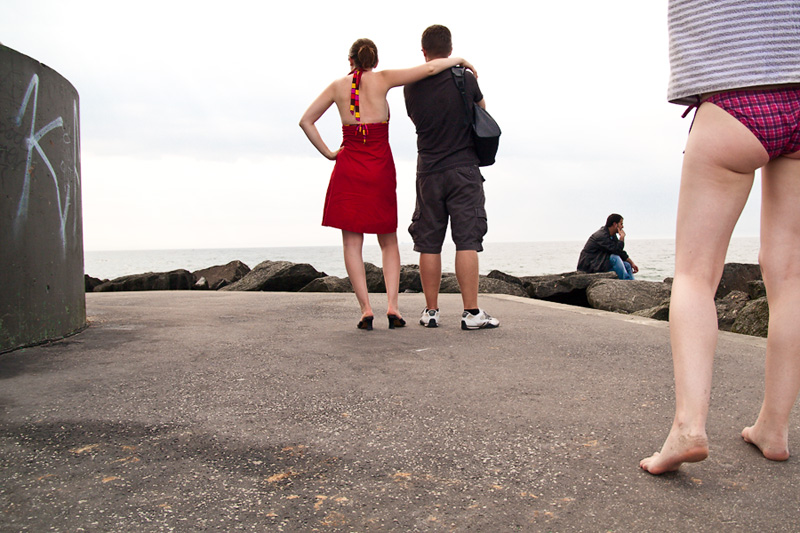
point(395, 321)
point(366, 323)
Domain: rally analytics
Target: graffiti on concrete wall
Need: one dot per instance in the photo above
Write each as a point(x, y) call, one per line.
point(34, 139)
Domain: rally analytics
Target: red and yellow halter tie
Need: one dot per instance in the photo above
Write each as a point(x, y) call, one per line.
point(354, 102)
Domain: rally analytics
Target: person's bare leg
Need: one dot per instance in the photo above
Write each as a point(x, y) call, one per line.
point(720, 159)
point(354, 264)
point(780, 266)
point(390, 254)
point(430, 274)
point(468, 277)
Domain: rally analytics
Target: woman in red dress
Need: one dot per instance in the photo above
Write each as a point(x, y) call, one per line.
point(362, 194)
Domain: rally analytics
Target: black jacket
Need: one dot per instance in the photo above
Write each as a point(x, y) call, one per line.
point(600, 246)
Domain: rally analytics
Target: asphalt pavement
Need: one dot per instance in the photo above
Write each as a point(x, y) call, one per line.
point(228, 411)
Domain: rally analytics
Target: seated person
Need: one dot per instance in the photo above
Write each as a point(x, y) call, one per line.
point(604, 251)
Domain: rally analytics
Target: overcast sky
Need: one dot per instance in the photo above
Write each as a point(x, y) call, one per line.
point(189, 113)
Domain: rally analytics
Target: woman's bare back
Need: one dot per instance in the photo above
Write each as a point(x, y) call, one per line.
point(372, 91)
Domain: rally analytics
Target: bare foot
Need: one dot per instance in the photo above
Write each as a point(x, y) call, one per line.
point(676, 450)
point(774, 449)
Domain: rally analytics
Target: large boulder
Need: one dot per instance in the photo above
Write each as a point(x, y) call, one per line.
point(276, 276)
point(753, 319)
point(222, 275)
point(659, 312)
point(150, 281)
point(736, 277)
point(409, 279)
point(90, 283)
point(486, 285)
point(756, 289)
point(728, 308)
point(502, 276)
point(375, 282)
point(626, 296)
point(449, 284)
point(567, 288)
point(328, 284)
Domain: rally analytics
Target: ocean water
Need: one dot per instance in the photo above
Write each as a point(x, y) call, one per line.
point(654, 257)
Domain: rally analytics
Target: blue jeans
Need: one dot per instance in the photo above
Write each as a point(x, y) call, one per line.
point(622, 268)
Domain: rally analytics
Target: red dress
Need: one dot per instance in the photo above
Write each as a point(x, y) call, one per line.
point(362, 193)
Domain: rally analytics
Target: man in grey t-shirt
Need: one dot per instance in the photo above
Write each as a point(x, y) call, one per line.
point(449, 183)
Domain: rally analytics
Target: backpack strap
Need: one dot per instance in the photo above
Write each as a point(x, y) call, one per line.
point(458, 77)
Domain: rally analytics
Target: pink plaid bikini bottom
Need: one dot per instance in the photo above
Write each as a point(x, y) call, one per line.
point(773, 115)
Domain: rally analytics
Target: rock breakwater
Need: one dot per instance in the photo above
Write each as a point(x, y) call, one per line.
point(740, 298)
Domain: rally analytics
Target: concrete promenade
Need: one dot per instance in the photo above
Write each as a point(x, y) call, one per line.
point(225, 411)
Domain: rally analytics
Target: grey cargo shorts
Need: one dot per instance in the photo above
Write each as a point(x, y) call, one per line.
point(456, 194)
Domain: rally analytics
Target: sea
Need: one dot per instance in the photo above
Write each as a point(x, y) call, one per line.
point(654, 257)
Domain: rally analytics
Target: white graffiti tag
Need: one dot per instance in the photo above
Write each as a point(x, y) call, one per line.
point(76, 136)
point(33, 144)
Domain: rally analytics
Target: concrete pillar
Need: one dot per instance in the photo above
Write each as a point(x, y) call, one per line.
point(41, 229)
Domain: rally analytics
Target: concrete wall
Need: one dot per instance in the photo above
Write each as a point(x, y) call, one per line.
point(41, 231)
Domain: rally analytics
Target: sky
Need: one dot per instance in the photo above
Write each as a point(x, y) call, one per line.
point(189, 114)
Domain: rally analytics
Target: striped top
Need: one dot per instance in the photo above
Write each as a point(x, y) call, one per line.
point(716, 45)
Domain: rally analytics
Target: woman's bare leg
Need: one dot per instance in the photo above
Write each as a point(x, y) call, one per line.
point(354, 264)
point(718, 167)
point(780, 266)
point(390, 254)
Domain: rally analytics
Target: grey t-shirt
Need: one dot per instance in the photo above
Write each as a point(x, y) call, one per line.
point(444, 137)
point(729, 44)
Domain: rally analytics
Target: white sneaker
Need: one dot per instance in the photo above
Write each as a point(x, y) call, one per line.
point(430, 318)
point(480, 321)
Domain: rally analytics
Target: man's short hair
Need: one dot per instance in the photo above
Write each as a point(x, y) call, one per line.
point(437, 41)
point(612, 219)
